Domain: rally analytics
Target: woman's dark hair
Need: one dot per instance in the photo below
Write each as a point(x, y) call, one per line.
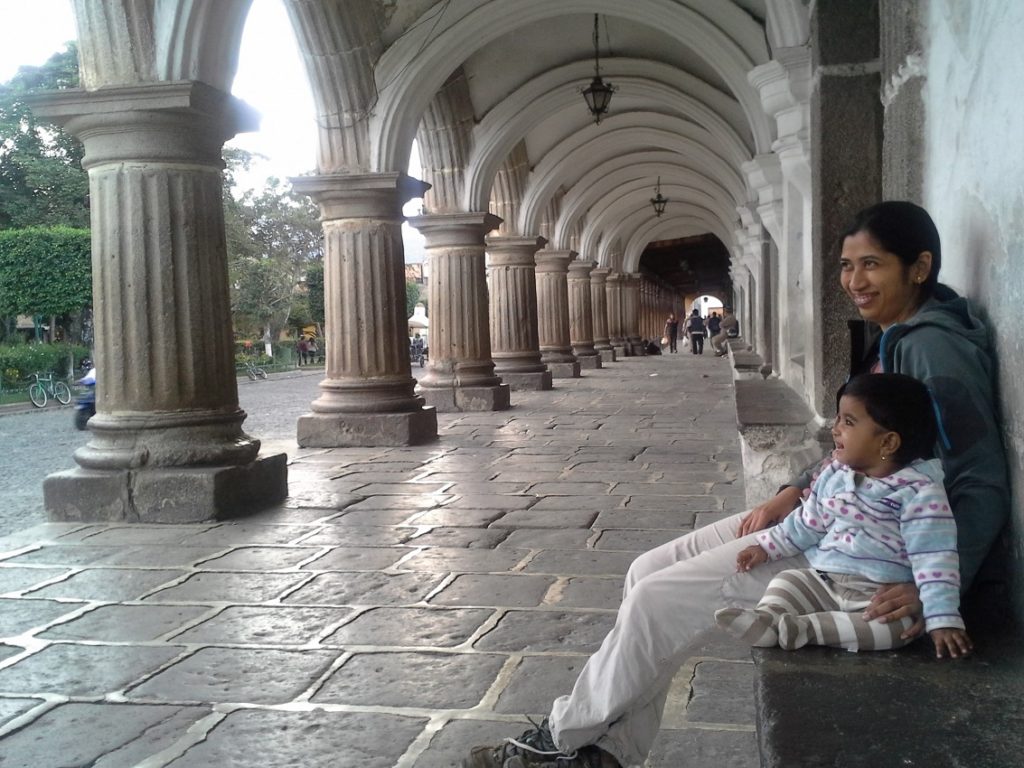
point(900, 404)
point(904, 229)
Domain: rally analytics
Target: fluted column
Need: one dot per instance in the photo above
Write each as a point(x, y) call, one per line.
point(553, 313)
point(581, 315)
point(631, 312)
point(367, 397)
point(515, 344)
point(460, 374)
point(616, 331)
point(167, 443)
point(599, 306)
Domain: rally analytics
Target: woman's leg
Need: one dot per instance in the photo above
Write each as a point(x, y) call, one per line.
point(685, 547)
point(618, 699)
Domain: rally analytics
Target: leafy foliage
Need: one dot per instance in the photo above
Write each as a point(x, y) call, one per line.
point(19, 361)
point(315, 292)
point(41, 178)
point(412, 297)
point(45, 271)
point(274, 237)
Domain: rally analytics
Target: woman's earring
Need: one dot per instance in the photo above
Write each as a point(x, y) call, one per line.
point(884, 457)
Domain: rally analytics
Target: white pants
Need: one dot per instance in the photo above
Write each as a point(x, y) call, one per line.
point(670, 596)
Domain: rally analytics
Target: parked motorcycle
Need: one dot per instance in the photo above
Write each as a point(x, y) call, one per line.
point(85, 401)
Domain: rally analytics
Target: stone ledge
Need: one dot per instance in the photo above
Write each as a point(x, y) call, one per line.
point(778, 435)
point(822, 706)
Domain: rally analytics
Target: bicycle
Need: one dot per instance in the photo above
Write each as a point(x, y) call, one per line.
point(45, 386)
point(253, 371)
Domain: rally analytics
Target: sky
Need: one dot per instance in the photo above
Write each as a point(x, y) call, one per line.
point(270, 77)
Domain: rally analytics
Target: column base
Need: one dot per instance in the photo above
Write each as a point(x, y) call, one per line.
point(564, 370)
point(166, 495)
point(621, 350)
point(456, 399)
point(342, 430)
point(589, 362)
point(539, 381)
point(607, 355)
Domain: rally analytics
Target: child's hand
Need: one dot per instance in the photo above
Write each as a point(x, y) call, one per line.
point(955, 642)
point(750, 557)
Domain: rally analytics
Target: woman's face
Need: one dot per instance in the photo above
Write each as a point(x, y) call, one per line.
point(883, 289)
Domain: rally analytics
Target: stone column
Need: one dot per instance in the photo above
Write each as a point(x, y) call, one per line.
point(460, 375)
point(515, 345)
point(167, 443)
point(581, 315)
point(616, 297)
point(847, 121)
point(631, 312)
point(599, 305)
point(553, 314)
point(367, 398)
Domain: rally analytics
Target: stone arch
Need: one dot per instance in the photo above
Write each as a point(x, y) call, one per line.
point(445, 138)
point(621, 135)
point(555, 91)
point(131, 43)
point(678, 180)
point(409, 88)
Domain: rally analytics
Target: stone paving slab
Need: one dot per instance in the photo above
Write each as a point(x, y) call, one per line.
point(402, 605)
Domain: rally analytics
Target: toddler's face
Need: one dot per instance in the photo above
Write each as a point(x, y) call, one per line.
point(857, 436)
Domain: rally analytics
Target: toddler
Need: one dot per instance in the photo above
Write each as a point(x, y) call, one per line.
point(877, 514)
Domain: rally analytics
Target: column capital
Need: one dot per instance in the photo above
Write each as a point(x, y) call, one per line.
point(553, 261)
point(157, 122)
point(599, 274)
point(581, 270)
point(505, 250)
point(359, 195)
point(443, 230)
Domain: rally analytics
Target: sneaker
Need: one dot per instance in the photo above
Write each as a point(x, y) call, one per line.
point(536, 749)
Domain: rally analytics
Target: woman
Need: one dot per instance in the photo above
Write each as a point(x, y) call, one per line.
point(890, 263)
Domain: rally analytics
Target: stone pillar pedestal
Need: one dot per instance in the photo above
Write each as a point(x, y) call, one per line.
point(599, 307)
point(631, 312)
point(515, 345)
point(581, 315)
point(460, 374)
point(616, 297)
point(553, 314)
point(167, 442)
point(367, 398)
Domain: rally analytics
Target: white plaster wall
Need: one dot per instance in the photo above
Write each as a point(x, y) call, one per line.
point(974, 187)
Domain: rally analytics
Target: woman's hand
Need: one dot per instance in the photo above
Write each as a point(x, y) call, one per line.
point(893, 602)
point(772, 511)
point(750, 557)
point(953, 641)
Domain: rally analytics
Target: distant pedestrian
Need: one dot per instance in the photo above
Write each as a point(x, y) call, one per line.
point(728, 323)
point(714, 322)
point(303, 349)
point(696, 330)
point(672, 331)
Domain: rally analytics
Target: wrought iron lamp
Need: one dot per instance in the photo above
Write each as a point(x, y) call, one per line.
point(598, 94)
point(658, 201)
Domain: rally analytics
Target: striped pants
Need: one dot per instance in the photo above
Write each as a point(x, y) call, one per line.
point(805, 607)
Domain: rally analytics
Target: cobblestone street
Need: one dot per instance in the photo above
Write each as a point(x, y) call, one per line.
point(403, 605)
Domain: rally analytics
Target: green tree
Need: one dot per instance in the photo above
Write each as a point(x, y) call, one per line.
point(41, 178)
point(274, 238)
point(45, 272)
point(412, 297)
point(315, 292)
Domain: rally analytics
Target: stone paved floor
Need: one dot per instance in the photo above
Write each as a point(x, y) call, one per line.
point(404, 604)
